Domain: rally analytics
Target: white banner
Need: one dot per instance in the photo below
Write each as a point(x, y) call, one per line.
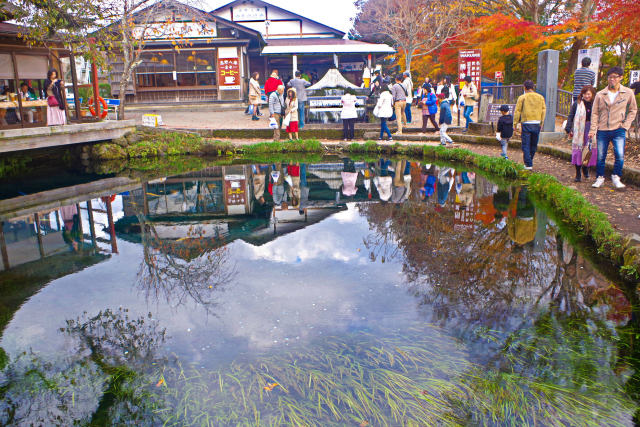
point(594, 55)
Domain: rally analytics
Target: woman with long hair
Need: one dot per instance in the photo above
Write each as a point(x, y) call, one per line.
point(255, 94)
point(578, 124)
point(56, 98)
point(292, 114)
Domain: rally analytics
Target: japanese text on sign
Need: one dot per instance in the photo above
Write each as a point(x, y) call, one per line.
point(229, 72)
point(470, 64)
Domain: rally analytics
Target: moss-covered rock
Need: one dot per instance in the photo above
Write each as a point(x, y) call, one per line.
point(122, 141)
point(108, 151)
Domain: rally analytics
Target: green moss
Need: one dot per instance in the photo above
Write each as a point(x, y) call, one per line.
point(13, 165)
point(299, 146)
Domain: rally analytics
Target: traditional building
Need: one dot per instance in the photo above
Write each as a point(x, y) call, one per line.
point(189, 56)
point(295, 42)
point(216, 52)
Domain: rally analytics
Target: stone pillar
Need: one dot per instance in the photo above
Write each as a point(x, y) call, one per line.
point(547, 85)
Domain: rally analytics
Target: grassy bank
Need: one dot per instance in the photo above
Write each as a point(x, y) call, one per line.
point(577, 213)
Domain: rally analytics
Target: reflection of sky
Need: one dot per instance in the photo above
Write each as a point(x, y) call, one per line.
point(297, 288)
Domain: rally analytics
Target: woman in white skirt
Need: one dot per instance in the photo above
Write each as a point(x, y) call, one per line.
point(56, 114)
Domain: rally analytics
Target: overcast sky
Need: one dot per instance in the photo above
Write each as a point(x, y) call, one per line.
point(335, 13)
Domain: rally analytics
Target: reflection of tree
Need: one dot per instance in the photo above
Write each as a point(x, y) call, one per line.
point(180, 270)
point(476, 276)
point(96, 385)
point(536, 313)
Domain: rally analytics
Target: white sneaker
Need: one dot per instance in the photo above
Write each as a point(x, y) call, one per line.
point(599, 182)
point(616, 181)
point(528, 168)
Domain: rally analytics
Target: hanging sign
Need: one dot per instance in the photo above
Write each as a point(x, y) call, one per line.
point(470, 64)
point(634, 76)
point(229, 73)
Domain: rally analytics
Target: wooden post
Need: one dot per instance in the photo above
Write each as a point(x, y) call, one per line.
point(3, 248)
point(80, 222)
point(74, 80)
point(92, 225)
point(112, 228)
point(16, 78)
point(295, 64)
point(36, 219)
point(145, 200)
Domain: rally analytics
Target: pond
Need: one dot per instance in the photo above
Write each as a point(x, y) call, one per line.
point(339, 292)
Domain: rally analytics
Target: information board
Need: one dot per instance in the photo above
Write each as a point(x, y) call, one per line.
point(494, 113)
point(470, 64)
point(634, 76)
point(594, 55)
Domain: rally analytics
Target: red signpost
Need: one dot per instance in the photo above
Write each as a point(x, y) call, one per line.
point(470, 64)
point(229, 69)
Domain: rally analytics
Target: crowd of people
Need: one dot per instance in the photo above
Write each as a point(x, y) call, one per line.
point(596, 119)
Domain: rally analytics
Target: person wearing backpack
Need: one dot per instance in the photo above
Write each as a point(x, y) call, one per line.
point(399, 94)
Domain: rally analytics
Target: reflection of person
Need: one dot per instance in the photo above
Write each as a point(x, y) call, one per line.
point(279, 194)
point(521, 222)
point(349, 178)
point(445, 182)
point(304, 189)
point(71, 231)
point(578, 125)
point(55, 99)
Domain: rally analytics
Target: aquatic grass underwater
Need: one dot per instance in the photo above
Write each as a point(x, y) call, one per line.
point(415, 378)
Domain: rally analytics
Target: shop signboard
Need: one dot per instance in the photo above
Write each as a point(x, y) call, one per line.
point(634, 76)
point(229, 73)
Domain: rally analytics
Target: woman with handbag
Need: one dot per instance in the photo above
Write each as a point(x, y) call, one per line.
point(584, 153)
point(56, 114)
point(255, 94)
point(291, 114)
point(383, 110)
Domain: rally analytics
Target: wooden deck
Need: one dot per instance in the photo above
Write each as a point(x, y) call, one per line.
point(54, 136)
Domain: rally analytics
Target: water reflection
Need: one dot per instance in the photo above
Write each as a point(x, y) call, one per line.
point(453, 298)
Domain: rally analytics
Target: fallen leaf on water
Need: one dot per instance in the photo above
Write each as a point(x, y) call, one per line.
point(271, 386)
point(160, 382)
point(364, 424)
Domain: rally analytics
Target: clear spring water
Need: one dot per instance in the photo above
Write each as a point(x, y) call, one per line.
point(378, 293)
